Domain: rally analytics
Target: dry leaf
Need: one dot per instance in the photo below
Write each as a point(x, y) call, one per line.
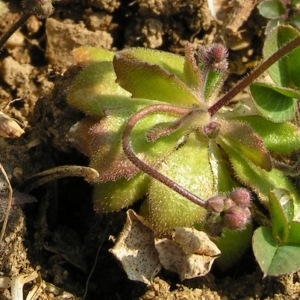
point(135, 249)
point(9, 128)
point(190, 254)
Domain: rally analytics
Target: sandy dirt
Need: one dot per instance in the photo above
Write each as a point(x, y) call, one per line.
point(59, 236)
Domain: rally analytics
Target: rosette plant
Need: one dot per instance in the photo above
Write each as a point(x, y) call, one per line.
point(156, 129)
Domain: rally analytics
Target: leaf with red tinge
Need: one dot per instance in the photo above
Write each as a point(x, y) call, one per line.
point(87, 55)
point(150, 81)
point(277, 137)
point(241, 137)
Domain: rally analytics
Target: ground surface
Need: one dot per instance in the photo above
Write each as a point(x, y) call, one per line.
point(59, 236)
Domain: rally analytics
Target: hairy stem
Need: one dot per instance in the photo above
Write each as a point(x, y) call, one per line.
point(259, 70)
point(143, 166)
point(43, 177)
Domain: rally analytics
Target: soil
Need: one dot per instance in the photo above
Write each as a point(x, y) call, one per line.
point(59, 236)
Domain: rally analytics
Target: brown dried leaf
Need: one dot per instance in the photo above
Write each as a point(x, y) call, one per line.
point(136, 251)
point(190, 254)
point(9, 128)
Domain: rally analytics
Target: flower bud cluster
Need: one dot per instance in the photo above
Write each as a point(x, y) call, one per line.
point(214, 57)
point(231, 211)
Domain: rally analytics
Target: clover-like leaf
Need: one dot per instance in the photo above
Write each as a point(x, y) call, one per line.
point(150, 81)
point(188, 166)
point(277, 137)
point(274, 103)
point(284, 72)
point(242, 138)
point(278, 217)
point(275, 258)
point(271, 8)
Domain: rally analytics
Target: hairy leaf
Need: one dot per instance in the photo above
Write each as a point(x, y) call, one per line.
point(95, 89)
point(150, 81)
point(261, 181)
point(277, 137)
point(87, 55)
point(242, 138)
point(188, 166)
point(114, 195)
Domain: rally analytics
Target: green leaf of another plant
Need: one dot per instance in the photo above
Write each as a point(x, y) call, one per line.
point(271, 8)
point(274, 259)
point(284, 72)
point(278, 217)
point(273, 103)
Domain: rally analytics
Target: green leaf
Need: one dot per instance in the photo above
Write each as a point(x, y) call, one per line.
point(284, 72)
point(272, 24)
point(272, 258)
point(294, 233)
point(150, 81)
point(114, 195)
point(277, 137)
point(191, 71)
point(233, 244)
point(271, 8)
point(87, 55)
point(274, 103)
point(189, 167)
point(171, 63)
point(95, 89)
point(278, 217)
point(241, 137)
point(223, 182)
point(107, 155)
point(261, 181)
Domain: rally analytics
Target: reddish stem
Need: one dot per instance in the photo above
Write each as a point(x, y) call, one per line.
point(259, 70)
point(143, 166)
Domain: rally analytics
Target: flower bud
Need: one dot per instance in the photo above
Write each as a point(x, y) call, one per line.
point(228, 203)
point(216, 204)
point(236, 217)
point(214, 57)
point(241, 197)
point(211, 129)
